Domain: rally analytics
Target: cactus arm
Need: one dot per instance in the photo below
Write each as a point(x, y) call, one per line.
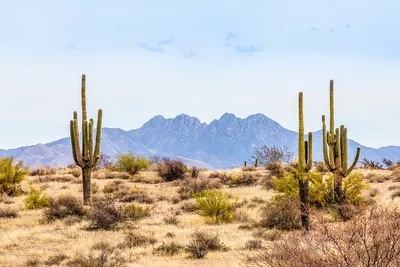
point(71, 128)
point(85, 141)
point(77, 146)
point(91, 143)
point(338, 152)
point(96, 155)
point(332, 124)
point(354, 162)
point(309, 154)
point(83, 96)
point(324, 145)
point(342, 141)
point(345, 152)
point(301, 146)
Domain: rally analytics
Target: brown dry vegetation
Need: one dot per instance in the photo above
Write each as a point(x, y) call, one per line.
point(155, 224)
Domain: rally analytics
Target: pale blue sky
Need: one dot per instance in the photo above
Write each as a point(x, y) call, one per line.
point(203, 58)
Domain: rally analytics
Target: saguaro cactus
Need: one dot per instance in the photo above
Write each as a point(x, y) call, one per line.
point(304, 165)
point(256, 163)
point(336, 159)
point(88, 157)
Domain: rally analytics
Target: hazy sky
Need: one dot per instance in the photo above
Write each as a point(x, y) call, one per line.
point(202, 58)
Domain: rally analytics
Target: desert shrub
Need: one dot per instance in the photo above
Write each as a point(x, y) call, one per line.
point(373, 192)
point(103, 163)
point(215, 205)
point(281, 212)
point(170, 235)
point(188, 206)
point(38, 172)
point(36, 199)
point(8, 212)
point(138, 195)
point(276, 169)
point(202, 242)
point(267, 155)
point(253, 244)
point(395, 194)
point(76, 172)
point(136, 212)
point(32, 262)
point(105, 214)
point(11, 175)
point(320, 166)
point(195, 172)
point(138, 239)
point(369, 239)
point(63, 207)
point(131, 164)
point(241, 215)
point(214, 175)
point(189, 187)
point(55, 259)
point(171, 170)
point(101, 254)
point(168, 249)
point(248, 169)
point(269, 235)
point(243, 179)
point(170, 219)
point(116, 187)
point(376, 177)
point(370, 164)
point(394, 187)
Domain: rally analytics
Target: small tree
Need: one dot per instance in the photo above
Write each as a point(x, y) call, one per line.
point(131, 164)
point(103, 163)
point(267, 155)
point(11, 175)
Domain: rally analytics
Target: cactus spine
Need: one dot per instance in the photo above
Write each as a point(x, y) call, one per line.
point(304, 165)
point(336, 157)
point(88, 157)
point(256, 163)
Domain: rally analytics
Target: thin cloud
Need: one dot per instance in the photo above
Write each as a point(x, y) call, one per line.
point(248, 49)
point(166, 41)
point(315, 29)
point(230, 36)
point(190, 55)
point(347, 26)
point(150, 48)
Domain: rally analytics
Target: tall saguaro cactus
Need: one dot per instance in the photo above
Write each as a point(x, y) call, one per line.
point(304, 165)
point(336, 157)
point(88, 157)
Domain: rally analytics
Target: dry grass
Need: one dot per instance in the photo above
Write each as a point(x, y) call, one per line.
point(26, 239)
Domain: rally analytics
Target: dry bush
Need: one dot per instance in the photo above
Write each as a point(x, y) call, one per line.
point(32, 262)
point(214, 175)
point(101, 254)
point(171, 170)
point(138, 239)
point(371, 239)
point(373, 192)
point(168, 249)
point(320, 166)
point(188, 206)
point(105, 214)
point(195, 172)
point(253, 244)
point(117, 187)
point(395, 194)
point(243, 179)
point(171, 219)
point(241, 215)
point(76, 172)
point(56, 259)
point(136, 212)
point(282, 213)
point(394, 187)
point(63, 207)
point(202, 242)
point(248, 169)
point(7, 212)
point(376, 177)
point(190, 186)
point(269, 235)
point(62, 179)
point(276, 169)
point(137, 195)
point(115, 175)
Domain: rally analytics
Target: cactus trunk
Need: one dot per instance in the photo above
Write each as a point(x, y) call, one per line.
point(304, 165)
point(88, 157)
point(336, 157)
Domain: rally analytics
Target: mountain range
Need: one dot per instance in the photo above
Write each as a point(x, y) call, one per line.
point(225, 142)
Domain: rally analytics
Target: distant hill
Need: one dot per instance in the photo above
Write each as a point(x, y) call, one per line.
point(224, 143)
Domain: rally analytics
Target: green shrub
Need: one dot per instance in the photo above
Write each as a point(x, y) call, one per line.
point(171, 170)
point(36, 199)
point(62, 207)
point(282, 213)
point(131, 164)
point(215, 205)
point(11, 175)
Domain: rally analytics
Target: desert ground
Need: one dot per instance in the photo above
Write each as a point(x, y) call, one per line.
point(27, 239)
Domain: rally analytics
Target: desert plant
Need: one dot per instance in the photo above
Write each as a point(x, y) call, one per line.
point(253, 244)
point(136, 212)
point(105, 214)
point(63, 207)
point(266, 155)
point(371, 165)
point(320, 166)
point(215, 205)
point(137, 239)
point(168, 249)
point(276, 169)
point(281, 212)
point(103, 163)
point(55, 259)
point(195, 172)
point(336, 160)
point(171, 170)
point(76, 172)
point(188, 187)
point(202, 242)
point(11, 175)
point(89, 156)
point(8, 212)
point(131, 164)
point(36, 199)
